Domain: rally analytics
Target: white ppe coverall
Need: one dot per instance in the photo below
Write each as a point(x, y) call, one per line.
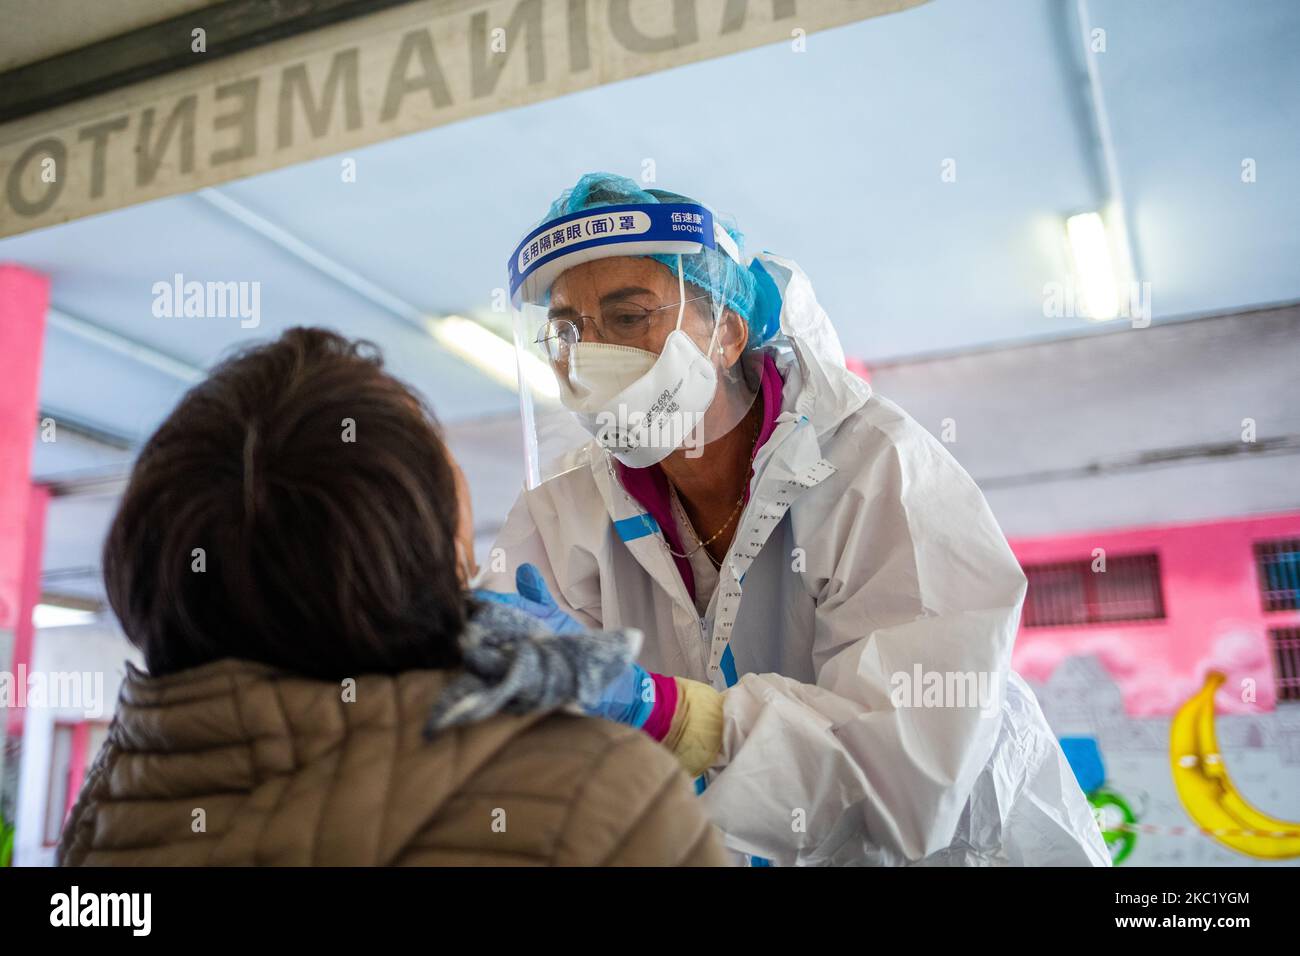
point(865, 558)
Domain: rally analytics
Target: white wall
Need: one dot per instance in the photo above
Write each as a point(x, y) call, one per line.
point(98, 649)
point(1123, 427)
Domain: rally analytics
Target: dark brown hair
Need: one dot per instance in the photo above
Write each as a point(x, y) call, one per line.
point(323, 501)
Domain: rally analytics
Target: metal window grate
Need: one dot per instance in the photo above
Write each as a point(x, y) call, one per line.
point(1286, 661)
point(1070, 593)
point(1278, 563)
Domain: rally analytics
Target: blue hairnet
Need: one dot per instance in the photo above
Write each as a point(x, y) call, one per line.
point(750, 293)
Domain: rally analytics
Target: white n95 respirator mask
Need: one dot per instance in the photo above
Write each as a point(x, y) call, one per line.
point(640, 406)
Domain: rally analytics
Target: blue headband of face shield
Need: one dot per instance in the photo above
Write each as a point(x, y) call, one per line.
point(669, 229)
point(661, 230)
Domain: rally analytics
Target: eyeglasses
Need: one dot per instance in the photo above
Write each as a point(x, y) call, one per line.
point(623, 323)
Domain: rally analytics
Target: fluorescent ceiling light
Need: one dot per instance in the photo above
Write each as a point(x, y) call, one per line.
point(54, 615)
point(1090, 247)
point(493, 355)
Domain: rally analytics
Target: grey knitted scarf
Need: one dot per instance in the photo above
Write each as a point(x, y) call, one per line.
point(514, 665)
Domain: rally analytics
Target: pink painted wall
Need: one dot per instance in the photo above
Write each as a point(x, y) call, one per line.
point(1214, 617)
point(24, 296)
point(29, 595)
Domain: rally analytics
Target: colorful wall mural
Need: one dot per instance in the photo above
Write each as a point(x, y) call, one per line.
point(1183, 729)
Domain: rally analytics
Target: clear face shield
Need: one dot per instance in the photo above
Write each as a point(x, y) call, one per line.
point(640, 354)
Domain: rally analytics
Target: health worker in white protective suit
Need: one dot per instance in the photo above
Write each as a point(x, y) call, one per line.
point(827, 604)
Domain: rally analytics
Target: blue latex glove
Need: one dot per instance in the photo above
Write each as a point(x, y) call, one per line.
point(534, 598)
point(630, 699)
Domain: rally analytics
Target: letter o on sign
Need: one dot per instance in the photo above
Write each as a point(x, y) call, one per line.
point(51, 147)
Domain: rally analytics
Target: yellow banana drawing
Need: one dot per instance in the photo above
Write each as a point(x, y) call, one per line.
point(1208, 793)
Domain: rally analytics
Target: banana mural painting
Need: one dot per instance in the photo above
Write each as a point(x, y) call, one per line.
point(1207, 791)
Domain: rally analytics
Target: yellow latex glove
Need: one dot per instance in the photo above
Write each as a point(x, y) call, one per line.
point(695, 735)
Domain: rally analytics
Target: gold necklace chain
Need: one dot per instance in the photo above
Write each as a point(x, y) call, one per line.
point(731, 517)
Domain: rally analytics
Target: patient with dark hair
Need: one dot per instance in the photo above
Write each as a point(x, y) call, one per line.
point(292, 556)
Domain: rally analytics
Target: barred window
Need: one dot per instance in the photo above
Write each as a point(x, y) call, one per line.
point(1286, 661)
point(1278, 563)
point(1071, 593)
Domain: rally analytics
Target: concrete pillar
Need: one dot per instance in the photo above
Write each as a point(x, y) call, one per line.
point(24, 298)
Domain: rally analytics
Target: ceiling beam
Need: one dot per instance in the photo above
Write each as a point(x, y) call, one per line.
point(1153, 458)
point(1118, 218)
point(129, 348)
point(86, 429)
point(166, 47)
point(395, 306)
